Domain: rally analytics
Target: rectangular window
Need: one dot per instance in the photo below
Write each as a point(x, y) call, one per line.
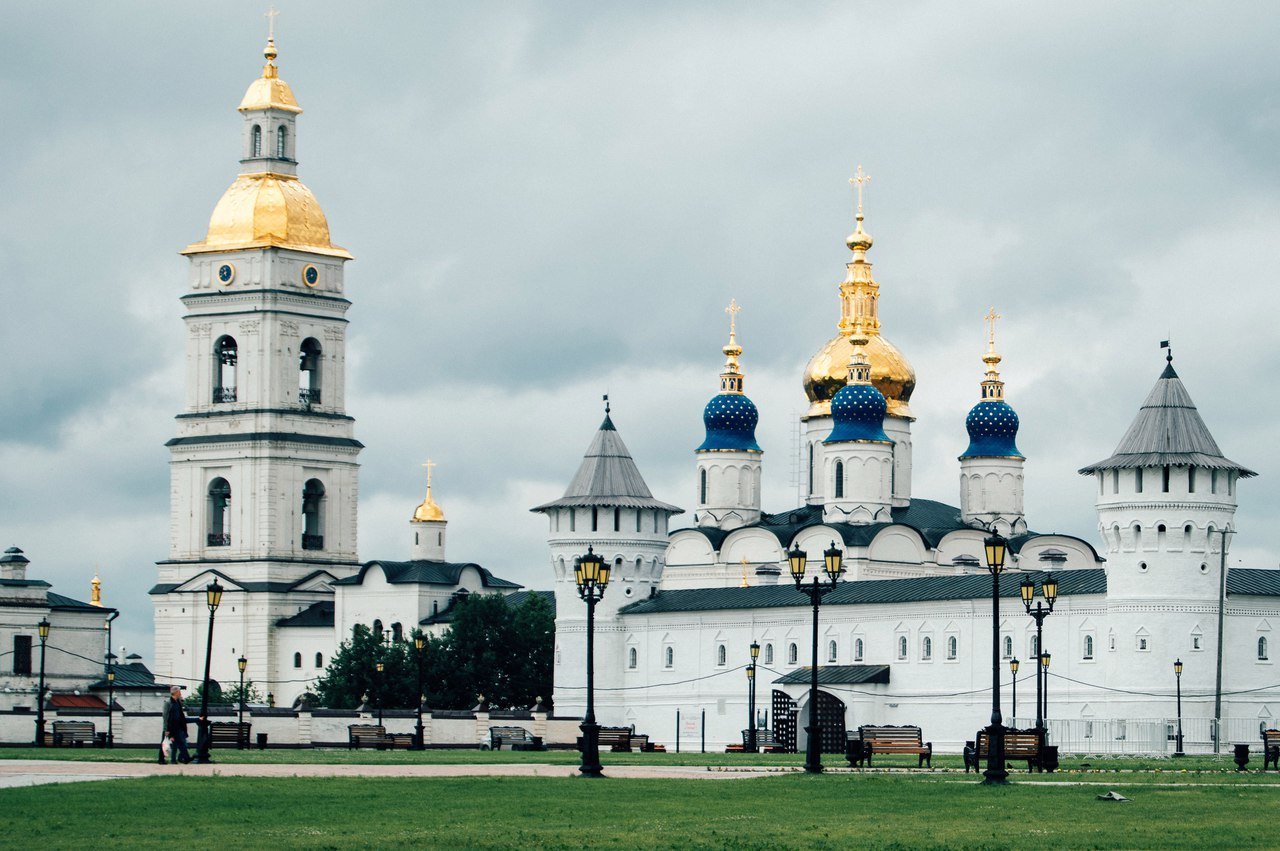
point(22, 654)
point(595, 520)
point(1115, 481)
point(1195, 642)
point(1164, 481)
point(1191, 480)
point(1142, 642)
point(1137, 480)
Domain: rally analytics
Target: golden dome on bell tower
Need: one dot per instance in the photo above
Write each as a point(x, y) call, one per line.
point(828, 370)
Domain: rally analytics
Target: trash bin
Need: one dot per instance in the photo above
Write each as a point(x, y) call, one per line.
point(1049, 758)
point(262, 741)
point(1241, 756)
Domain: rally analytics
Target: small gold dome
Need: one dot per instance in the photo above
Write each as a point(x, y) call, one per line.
point(269, 91)
point(429, 510)
point(268, 210)
point(828, 371)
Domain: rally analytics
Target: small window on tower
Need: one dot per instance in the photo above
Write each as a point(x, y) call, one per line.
point(1164, 480)
point(219, 534)
point(225, 356)
point(702, 487)
point(595, 520)
point(1191, 480)
point(839, 492)
point(1137, 480)
point(280, 142)
point(309, 361)
point(617, 520)
point(313, 515)
point(256, 143)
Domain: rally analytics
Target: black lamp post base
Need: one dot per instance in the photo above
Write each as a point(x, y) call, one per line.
point(419, 741)
point(813, 750)
point(591, 766)
point(996, 774)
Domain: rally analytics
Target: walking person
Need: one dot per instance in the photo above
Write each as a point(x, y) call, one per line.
point(175, 727)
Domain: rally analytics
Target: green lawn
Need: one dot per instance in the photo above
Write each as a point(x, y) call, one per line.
point(882, 810)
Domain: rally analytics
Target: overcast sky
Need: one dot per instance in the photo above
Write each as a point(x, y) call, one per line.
point(551, 201)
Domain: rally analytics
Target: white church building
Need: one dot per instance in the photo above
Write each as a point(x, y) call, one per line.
point(264, 491)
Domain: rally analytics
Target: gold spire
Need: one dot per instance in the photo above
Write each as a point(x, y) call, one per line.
point(992, 386)
point(829, 369)
point(744, 583)
point(731, 378)
point(95, 591)
point(269, 91)
point(429, 510)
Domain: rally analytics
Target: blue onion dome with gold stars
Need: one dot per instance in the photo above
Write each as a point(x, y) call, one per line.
point(992, 424)
point(730, 417)
point(858, 408)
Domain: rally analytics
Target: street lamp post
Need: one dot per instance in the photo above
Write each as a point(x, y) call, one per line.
point(43, 628)
point(213, 597)
point(591, 573)
point(996, 549)
point(751, 743)
point(1177, 678)
point(1222, 601)
point(1013, 680)
point(1044, 671)
point(382, 666)
point(1048, 590)
point(419, 743)
point(241, 663)
point(798, 561)
point(111, 708)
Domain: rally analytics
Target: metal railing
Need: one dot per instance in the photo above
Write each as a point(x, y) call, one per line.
point(219, 539)
point(313, 542)
point(1152, 736)
point(308, 396)
point(224, 394)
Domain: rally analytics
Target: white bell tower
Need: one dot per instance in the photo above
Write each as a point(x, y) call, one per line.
point(263, 466)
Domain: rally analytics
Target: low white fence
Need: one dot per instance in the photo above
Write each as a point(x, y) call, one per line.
point(1152, 736)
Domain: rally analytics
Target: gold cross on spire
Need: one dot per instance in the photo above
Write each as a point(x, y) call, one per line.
point(733, 310)
point(271, 16)
point(430, 465)
point(991, 318)
point(859, 178)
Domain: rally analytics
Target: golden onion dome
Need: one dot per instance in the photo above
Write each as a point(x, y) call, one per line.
point(268, 210)
point(269, 91)
point(828, 371)
point(428, 511)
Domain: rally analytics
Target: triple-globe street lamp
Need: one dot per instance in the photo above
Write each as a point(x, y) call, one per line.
point(591, 573)
point(798, 560)
point(1049, 591)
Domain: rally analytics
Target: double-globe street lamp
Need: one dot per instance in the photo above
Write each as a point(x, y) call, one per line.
point(1049, 591)
point(996, 549)
point(798, 561)
point(1177, 677)
point(591, 573)
point(419, 743)
point(213, 598)
point(750, 743)
point(43, 629)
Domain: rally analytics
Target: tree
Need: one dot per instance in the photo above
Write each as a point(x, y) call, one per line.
point(352, 673)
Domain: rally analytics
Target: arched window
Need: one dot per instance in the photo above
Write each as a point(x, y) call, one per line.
point(397, 632)
point(953, 647)
point(793, 653)
point(839, 479)
point(831, 651)
point(309, 372)
point(281, 133)
point(702, 487)
point(297, 660)
point(1008, 647)
point(810, 468)
point(671, 657)
point(313, 515)
point(1035, 647)
point(377, 630)
point(219, 513)
point(857, 649)
point(768, 654)
point(225, 355)
point(631, 658)
point(721, 655)
point(902, 647)
point(926, 648)
point(1262, 648)
point(1088, 647)
point(319, 660)
point(255, 149)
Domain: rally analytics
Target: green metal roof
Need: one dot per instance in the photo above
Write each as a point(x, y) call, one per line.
point(317, 614)
point(837, 675)
point(514, 601)
point(1257, 582)
point(975, 586)
point(426, 573)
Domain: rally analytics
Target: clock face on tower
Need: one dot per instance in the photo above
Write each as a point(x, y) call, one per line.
point(310, 275)
point(226, 273)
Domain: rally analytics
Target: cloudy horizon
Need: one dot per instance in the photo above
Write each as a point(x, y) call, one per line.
point(551, 202)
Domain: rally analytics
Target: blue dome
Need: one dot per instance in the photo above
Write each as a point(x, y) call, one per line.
point(730, 419)
point(992, 427)
point(858, 411)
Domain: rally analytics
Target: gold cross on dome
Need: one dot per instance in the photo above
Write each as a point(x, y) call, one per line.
point(430, 465)
point(991, 318)
point(859, 178)
point(733, 310)
point(271, 16)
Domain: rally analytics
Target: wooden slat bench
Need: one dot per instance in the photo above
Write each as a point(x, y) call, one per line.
point(878, 740)
point(1018, 745)
point(765, 742)
point(366, 736)
point(73, 733)
point(229, 733)
point(616, 739)
point(515, 738)
point(1271, 749)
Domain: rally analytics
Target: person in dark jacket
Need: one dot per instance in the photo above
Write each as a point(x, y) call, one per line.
point(175, 727)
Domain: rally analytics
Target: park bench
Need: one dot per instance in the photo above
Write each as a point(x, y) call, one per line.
point(616, 739)
point(515, 738)
point(765, 742)
point(891, 740)
point(1271, 749)
point(1018, 745)
point(73, 733)
point(366, 736)
point(229, 733)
